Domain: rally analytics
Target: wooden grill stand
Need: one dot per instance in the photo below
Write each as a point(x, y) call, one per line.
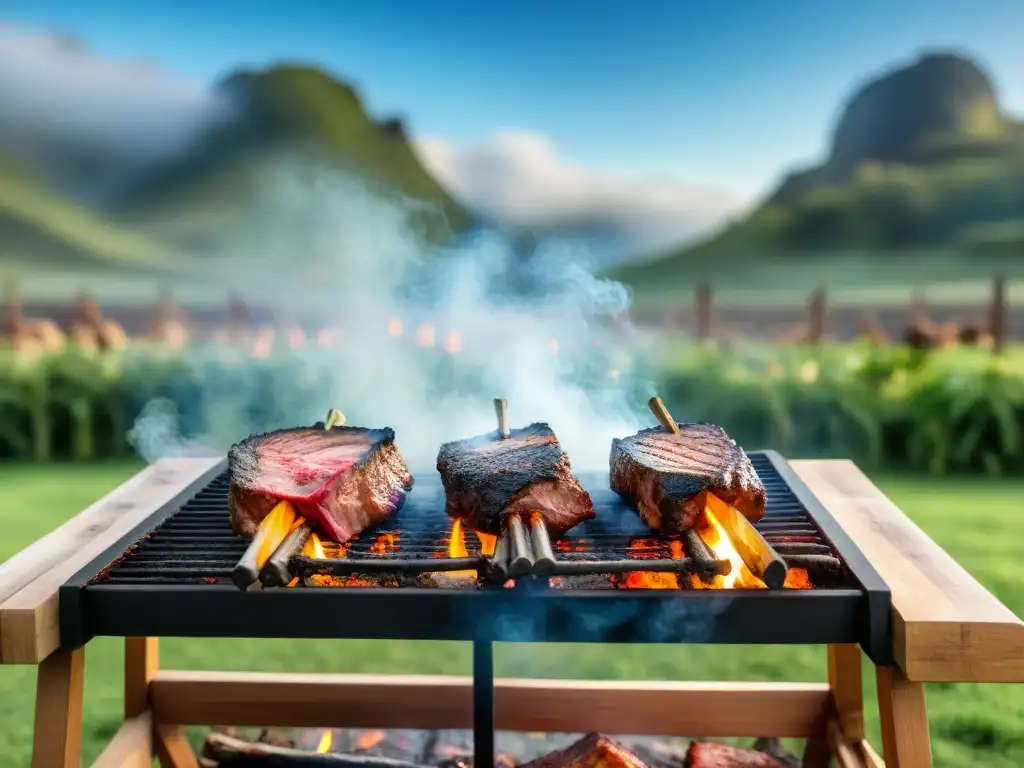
point(947, 628)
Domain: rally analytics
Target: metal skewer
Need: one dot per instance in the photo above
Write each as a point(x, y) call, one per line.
point(275, 571)
point(521, 556)
point(501, 411)
point(543, 554)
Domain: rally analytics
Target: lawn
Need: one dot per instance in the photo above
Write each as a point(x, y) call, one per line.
point(971, 725)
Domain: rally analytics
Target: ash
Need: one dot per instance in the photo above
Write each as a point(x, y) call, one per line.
point(454, 748)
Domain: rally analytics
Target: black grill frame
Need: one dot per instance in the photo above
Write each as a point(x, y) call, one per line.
point(859, 613)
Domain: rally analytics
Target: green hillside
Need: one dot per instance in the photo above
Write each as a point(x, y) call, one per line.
point(922, 163)
point(280, 112)
point(38, 229)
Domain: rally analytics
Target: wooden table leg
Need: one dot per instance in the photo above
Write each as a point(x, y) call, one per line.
point(844, 678)
point(141, 663)
point(173, 749)
point(57, 742)
point(906, 742)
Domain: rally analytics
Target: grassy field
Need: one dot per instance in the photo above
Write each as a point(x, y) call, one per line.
point(971, 725)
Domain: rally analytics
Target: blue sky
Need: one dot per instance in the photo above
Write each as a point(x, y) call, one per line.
point(727, 93)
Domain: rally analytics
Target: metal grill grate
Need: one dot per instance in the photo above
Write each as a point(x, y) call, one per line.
point(170, 577)
point(196, 544)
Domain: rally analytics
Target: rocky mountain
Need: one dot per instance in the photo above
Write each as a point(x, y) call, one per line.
point(922, 157)
point(285, 111)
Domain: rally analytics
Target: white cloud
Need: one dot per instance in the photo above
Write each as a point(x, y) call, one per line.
point(517, 177)
point(57, 94)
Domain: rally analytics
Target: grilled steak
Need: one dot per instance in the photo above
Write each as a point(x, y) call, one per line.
point(711, 754)
point(592, 751)
point(664, 475)
point(342, 480)
point(487, 478)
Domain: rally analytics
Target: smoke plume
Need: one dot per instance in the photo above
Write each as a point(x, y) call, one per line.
point(426, 336)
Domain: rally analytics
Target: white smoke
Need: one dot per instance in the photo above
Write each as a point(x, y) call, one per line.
point(321, 242)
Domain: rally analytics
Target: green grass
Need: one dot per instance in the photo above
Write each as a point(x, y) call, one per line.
point(971, 725)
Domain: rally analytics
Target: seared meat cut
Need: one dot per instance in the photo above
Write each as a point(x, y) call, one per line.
point(487, 478)
point(663, 475)
point(343, 480)
point(712, 754)
point(592, 751)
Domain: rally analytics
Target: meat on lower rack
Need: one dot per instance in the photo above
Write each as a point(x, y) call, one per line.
point(343, 480)
point(488, 478)
point(662, 475)
point(594, 750)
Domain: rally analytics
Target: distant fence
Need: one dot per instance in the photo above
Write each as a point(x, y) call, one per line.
point(993, 322)
point(918, 321)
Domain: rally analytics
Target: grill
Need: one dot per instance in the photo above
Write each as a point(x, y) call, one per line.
point(171, 577)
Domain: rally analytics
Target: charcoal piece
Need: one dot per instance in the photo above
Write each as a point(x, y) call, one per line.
point(663, 475)
point(343, 480)
point(488, 478)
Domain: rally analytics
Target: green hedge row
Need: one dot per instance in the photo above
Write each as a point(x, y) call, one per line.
point(956, 410)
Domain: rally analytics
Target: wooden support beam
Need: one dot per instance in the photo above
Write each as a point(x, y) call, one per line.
point(906, 742)
point(131, 747)
point(141, 662)
point(439, 702)
point(173, 749)
point(844, 678)
point(57, 742)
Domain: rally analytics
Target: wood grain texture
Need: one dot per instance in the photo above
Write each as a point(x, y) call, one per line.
point(906, 741)
point(844, 678)
point(173, 749)
point(57, 740)
point(30, 580)
point(131, 747)
point(946, 626)
point(442, 702)
point(141, 662)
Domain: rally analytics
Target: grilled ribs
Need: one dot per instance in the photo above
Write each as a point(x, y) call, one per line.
point(487, 478)
point(663, 475)
point(592, 751)
point(342, 480)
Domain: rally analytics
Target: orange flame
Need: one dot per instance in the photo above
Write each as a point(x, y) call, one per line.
point(325, 742)
point(653, 579)
point(368, 740)
point(386, 542)
point(277, 525)
point(395, 327)
point(798, 578)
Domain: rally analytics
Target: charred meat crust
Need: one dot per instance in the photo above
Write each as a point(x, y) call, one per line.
point(663, 475)
point(486, 478)
point(594, 750)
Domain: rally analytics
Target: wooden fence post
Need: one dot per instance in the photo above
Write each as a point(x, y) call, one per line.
point(817, 321)
point(997, 314)
point(704, 312)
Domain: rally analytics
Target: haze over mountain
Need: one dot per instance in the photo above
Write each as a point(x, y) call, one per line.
point(922, 158)
point(146, 149)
